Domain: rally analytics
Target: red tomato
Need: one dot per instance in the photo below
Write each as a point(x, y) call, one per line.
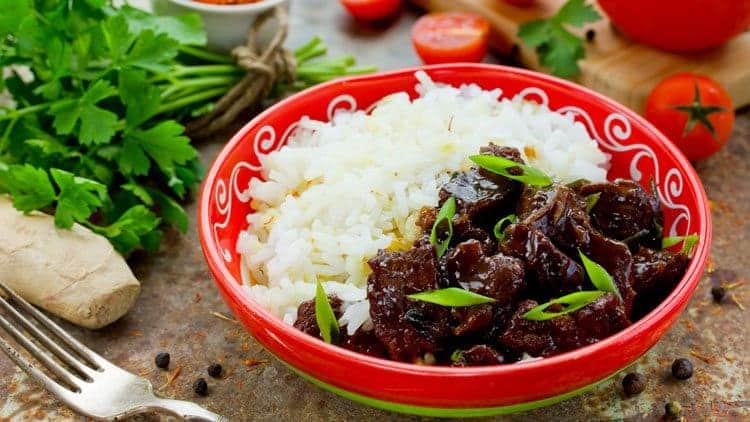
point(450, 37)
point(679, 25)
point(371, 10)
point(694, 111)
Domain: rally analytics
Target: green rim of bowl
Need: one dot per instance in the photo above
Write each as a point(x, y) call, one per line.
point(443, 412)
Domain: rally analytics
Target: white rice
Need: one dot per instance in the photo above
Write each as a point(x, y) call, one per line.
point(340, 191)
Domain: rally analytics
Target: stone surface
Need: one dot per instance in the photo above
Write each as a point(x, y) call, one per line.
point(177, 308)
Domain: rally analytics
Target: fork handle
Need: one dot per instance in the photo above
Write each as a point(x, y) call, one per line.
point(186, 410)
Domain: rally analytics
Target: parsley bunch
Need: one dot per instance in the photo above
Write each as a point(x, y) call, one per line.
point(93, 135)
point(559, 49)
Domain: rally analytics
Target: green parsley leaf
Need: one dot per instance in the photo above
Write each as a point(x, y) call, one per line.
point(98, 125)
point(13, 12)
point(30, 187)
point(559, 49)
point(170, 210)
point(186, 29)
point(152, 52)
point(163, 143)
point(78, 198)
point(126, 232)
point(141, 98)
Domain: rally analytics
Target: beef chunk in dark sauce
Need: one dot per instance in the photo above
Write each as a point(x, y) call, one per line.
point(549, 271)
point(479, 355)
point(497, 276)
point(407, 328)
point(472, 319)
point(364, 342)
point(655, 274)
point(625, 211)
point(481, 194)
point(561, 215)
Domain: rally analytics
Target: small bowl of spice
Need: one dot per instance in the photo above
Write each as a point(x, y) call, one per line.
point(226, 21)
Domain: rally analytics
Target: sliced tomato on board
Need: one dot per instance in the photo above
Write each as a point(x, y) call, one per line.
point(451, 37)
point(694, 111)
point(370, 10)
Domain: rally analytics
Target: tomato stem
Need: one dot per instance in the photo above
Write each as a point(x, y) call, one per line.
point(697, 112)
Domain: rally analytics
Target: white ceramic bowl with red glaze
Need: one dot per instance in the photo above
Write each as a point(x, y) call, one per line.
point(638, 152)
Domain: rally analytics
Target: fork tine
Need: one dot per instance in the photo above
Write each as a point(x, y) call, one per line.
point(61, 353)
point(51, 385)
point(87, 354)
point(40, 355)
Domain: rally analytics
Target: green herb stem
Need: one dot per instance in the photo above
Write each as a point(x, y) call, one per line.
point(18, 113)
point(206, 55)
point(191, 99)
point(199, 84)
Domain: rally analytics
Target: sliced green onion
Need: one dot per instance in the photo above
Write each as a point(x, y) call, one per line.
point(591, 201)
point(599, 277)
point(456, 355)
point(501, 165)
point(444, 215)
point(326, 319)
point(451, 296)
point(687, 247)
point(572, 302)
point(506, 221)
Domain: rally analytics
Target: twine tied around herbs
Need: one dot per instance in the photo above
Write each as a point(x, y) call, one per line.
point(264, 68)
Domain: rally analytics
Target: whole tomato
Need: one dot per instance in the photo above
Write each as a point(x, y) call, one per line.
point(679, 25)
point(450, 37)
point(694, 112)
point(371, 10)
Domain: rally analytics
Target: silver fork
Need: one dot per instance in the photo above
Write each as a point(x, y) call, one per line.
point(95, 387)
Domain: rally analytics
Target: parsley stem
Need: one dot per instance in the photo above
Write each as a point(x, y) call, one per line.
point(210, 69)
point(192, 99)
point(15, 114)
point(207, 82)
point(200, 53)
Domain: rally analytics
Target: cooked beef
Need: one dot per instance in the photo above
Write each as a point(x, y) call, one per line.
point(407, 328)
point(562, 217)
point(472, 319)
point(479, 355)
point(550, 272)
point(655, 274)
point(602, 318)
point(625, 211)
point(363, 342)
point(481, 194)
point(497, 276)
point(306, 321)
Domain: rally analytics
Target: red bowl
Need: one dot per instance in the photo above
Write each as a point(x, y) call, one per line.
point(639, 152)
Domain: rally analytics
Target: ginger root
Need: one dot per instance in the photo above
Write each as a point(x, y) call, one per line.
point(74, 274)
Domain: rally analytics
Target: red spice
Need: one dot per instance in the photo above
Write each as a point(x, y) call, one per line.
point(254, 362)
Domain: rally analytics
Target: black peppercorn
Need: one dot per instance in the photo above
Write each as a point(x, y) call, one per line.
point(718, 293)
point(590, 35)
point(200, 387)
point(162, 360)
point(682, 369)
point(633, 384)
point(672, 410)
point(214, 370)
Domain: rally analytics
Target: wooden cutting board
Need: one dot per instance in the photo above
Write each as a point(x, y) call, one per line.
point(614, 65)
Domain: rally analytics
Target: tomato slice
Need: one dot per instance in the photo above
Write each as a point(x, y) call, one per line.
point(371, 10)
point(450, 37)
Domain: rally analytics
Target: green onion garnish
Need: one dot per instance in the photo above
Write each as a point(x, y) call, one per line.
point(591, 201)
point(451, 296)
point(499, 229)
point(326, 319)
point(600, 278)
point(687, 247)
point(456, 355)
point(445, 215)
point(571, 302)
point(501, 165)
